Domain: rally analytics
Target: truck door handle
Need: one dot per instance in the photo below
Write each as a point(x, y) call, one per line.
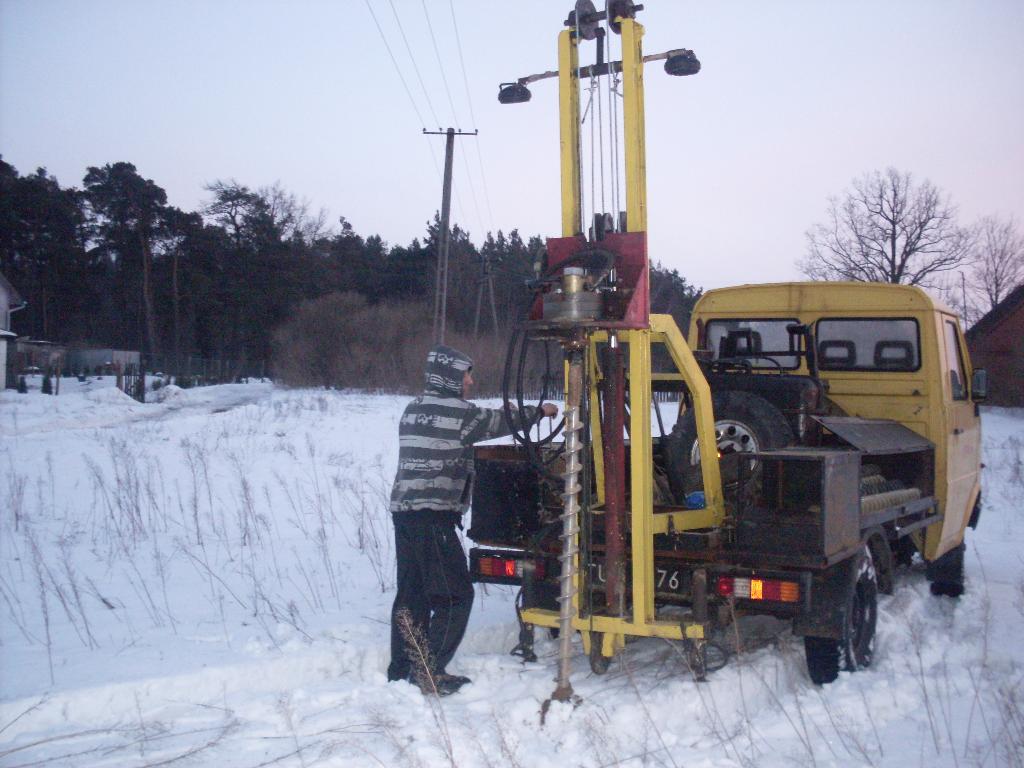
point(958, 431)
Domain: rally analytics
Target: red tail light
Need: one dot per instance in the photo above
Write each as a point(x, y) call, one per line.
point(773, 590)
point(508, 567)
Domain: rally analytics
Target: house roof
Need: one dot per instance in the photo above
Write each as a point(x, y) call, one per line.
point(15, 296)
point(1013, 302)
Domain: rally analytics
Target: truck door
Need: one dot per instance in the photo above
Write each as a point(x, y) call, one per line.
point(963, 433)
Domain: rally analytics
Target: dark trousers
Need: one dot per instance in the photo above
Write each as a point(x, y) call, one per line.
point(434, 587)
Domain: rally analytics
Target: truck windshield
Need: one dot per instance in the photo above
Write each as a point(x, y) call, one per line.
point(761, 343)
point(868, 344)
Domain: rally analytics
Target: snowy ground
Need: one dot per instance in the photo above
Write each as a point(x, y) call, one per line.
point(206, 580)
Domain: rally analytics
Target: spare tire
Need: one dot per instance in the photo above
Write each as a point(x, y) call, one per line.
point(744, 423)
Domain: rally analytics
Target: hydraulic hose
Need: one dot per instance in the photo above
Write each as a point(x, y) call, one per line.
point(517, 351)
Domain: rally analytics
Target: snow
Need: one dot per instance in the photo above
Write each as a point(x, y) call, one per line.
point(206, 579)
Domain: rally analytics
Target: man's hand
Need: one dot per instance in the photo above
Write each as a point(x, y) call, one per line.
point(549, 409)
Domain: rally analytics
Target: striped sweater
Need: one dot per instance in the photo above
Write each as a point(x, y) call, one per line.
point(436, 436)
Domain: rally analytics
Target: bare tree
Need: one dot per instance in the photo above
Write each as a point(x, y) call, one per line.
point(292, 215)
point(887, 228)
point(998, 261)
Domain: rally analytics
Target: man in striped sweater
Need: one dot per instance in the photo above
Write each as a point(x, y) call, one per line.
point(432, 490)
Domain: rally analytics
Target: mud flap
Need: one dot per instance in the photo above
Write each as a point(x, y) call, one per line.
point(946, 573)
point(825, 611)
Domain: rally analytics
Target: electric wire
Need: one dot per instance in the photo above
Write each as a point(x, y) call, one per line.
point(455, 113)
point(472, 189)
point(472, 116)
point(394, 61)
point(419, 116)
point(415, 66)
point(440, 66)
point(405, 87)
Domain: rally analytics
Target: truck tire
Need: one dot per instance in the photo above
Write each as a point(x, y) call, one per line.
point(885, 563)
point(744, 423)
point(853, 650)
point(975, 513)
point(946, 573)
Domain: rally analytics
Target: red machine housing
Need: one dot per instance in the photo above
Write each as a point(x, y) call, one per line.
point(629, 306)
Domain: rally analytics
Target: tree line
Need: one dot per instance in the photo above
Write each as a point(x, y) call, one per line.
point(246, 277)
point(112, 264)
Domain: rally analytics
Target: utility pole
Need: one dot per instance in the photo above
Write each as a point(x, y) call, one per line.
point(485, 276)
point(441, 283)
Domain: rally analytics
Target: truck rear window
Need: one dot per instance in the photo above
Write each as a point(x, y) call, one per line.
point(761, 343)
point(868, 344)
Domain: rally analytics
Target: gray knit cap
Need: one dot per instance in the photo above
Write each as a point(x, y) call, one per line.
point(445, 368)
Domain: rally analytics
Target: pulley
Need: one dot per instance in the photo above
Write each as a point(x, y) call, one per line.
point(621, 9)
point(586, 19)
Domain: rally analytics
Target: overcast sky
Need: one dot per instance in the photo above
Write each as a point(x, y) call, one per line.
point(794, 100)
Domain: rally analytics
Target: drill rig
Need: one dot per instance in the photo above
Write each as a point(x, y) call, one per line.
point(594, 301)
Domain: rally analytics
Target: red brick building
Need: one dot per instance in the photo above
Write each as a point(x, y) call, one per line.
point(997, 345)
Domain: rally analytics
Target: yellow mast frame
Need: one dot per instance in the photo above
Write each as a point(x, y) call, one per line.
point(645, 522)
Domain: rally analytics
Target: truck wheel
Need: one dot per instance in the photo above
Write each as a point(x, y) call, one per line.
point(947, 573)
point(744, 423)
point(855, 647)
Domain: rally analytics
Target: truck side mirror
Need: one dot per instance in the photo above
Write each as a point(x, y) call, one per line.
point(979, 385)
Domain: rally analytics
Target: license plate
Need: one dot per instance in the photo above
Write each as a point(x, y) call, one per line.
point(665, 579)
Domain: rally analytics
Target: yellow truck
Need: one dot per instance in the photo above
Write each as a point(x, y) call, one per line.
point(848, 438)
point(883, 352)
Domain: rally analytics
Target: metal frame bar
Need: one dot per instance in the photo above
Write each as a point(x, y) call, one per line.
point(569, 131)
point(633, 125)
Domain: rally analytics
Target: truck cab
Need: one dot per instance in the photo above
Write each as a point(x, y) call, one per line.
point(879, 351)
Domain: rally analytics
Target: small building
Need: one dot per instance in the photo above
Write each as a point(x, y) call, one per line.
point(36, 356)
point(90, 360)
point(10, 302)
point(997, 345)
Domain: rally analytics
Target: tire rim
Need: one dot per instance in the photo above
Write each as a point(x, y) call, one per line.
point(731, 437)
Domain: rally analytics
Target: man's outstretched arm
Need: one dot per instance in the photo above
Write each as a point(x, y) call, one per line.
point(488, 423)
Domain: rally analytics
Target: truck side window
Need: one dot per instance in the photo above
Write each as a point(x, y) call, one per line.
point(868, 344)
point(955, 363)
point(762, 343)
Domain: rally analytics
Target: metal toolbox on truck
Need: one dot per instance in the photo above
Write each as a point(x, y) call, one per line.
point(807, 509)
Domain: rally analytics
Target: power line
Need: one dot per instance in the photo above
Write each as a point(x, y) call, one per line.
point(440, 66)
point(455, 114)
point(472, 115)
point(415, 66)
point(397, 69)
